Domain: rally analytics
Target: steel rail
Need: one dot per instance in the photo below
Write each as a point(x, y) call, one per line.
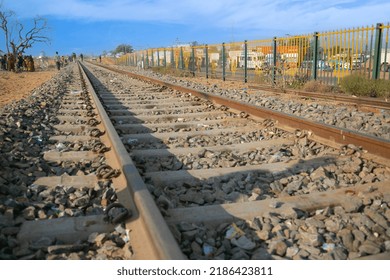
point(326, 134)
point(156, 230)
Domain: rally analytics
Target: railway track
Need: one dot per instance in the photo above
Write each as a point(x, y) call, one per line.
point(197, 176)
point(360, 101)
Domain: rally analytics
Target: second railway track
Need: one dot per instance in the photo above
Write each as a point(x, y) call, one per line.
point(201, 180)
point(233, 186)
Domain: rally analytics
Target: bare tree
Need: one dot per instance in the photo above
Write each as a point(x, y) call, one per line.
point(30, 37)
point(25, 38)
point(4, 19)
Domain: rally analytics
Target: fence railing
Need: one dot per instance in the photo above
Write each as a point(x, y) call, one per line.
point(323, 56)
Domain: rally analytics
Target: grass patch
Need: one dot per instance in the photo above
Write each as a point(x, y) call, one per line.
point(360, 85)
point(173, 71)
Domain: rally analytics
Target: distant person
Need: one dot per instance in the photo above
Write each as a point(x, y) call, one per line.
point(11, 62)
point(81, 57)
point(58, 61)
point(29, 61)
point(100, 58)
point(20, 62)
point(3, 62)
point(63, 61)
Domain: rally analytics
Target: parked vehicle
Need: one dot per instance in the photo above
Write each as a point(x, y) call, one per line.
point(384, 61)
point(385, 67)
point(322, 65)
point(254, 60)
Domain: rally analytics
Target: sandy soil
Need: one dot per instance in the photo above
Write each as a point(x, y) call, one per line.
point(16, 86)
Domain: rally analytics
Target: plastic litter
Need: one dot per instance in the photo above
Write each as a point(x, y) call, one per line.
point(233, 231)
point(328, 246)
point(208, 250)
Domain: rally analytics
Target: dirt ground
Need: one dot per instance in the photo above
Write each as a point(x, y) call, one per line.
point(16, 86)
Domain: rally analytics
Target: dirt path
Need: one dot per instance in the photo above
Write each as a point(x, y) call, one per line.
point(16, 86)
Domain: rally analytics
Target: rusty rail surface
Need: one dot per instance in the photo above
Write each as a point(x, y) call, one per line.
point(152, 235)
point(323, 133)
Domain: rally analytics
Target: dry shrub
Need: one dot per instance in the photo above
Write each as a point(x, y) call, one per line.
point(317, 86)
point(167, 71)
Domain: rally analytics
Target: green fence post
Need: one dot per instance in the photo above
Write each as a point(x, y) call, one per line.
point(172, 58)
point(274, 60)
point(223, 62)
point(315, 57)
point(165, 58)
point(207, 61)
point(147, 59)
point(377, 52)
point(193, 60)
point(245, 61)
point(181, 59)
point(158, 58)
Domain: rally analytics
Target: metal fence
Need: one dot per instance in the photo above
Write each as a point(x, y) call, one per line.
point(323, 56)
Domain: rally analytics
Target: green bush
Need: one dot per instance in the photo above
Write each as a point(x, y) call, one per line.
point(383, 88)
point(362, 86)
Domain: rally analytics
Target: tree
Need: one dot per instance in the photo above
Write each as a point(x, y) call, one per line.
point(4, 17)
point(194, 44)
point(124, 48)
point(24, 39)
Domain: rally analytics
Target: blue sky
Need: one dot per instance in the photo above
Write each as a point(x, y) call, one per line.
point(94, 26)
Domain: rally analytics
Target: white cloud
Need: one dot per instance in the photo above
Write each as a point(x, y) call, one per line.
point(306, 15)
point(299, 16)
